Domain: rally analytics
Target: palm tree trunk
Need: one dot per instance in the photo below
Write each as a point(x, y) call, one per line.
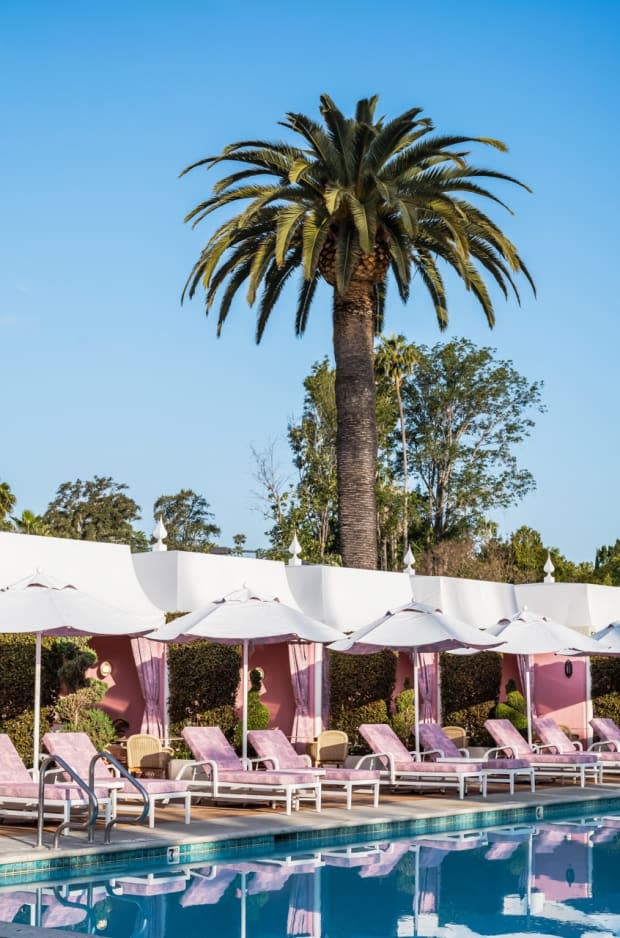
point(403, 435)
point(356, 436)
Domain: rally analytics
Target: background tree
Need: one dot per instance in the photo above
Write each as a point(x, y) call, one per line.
point(97, 509)
point(349, 200)
point(187, 520)
point(29, 523)
point(465, 414)
point(7, 504)
point(395, 360)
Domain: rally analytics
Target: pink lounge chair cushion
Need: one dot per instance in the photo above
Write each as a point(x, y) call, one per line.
point(382, 738)
point(272, 779)
point(12, 769)
point(208, 742)
point(203, 891)
point(575, 758)
point(52, 792)
point(507, 763)
point(552, 735)
point(505, 734)
point(605, 755)
point(605, 729)
point(77, 750)
point(274, 744)
point(153, 888)
point(154, 786)
point(438, 768)
point(433, 737)
point(350, 775)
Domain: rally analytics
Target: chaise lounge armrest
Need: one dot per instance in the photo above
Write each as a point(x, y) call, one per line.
point(199, 764)
point(609, 745)
point(546, 747)
point(506, 752)
point(421, 756)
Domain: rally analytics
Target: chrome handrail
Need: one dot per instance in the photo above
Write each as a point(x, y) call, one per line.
point(124, 774)
point(93, 804)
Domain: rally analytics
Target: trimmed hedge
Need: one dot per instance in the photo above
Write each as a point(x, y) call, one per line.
point(469, 680)
point(375, 711)
point(605, 676)
point(472, 720)
point(607, 705)
point(202, 677)
point(21, 731)
point(17, 656)
point(355, 680)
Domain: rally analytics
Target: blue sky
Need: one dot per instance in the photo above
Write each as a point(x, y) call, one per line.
point(102, 371)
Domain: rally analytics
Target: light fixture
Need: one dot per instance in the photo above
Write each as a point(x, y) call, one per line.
point(568, 668)
point(105, 669)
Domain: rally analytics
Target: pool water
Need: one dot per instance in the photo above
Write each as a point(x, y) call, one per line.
point(549, 879)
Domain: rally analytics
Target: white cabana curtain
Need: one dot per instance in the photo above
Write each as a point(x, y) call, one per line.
point(525, 663)
point(150, 657)
point(427, 685)
point(299, 661)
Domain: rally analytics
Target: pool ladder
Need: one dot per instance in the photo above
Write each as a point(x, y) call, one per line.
point(93, 804)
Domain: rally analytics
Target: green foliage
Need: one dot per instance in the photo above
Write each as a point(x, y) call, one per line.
point(30, 523)
point(77, 656)
point(513, 708)
point(467, 680)
point(98, 726)
point(21, 731)
point(355, 680)
point(472, 719)
point(187, 520)
point(258, 714)
point(17, 660)
point(605, 676)
point(78, 712)
point(607, 705)
point(7, 501)
point(97, 509)
point(224, 717)
point(403, 718)
point(202, 676)
point(465, 413)
point(375, 711)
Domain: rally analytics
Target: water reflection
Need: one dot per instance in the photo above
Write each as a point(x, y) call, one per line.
point(554, 879)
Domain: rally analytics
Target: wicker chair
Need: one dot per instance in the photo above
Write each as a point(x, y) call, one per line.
point(330, 748)
point(147, 757)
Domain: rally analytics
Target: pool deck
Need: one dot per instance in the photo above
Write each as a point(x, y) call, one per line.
point(218, 832)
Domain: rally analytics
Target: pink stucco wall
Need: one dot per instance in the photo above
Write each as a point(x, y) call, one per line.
point(555, 694)
point(278, 692)
point(124, 697)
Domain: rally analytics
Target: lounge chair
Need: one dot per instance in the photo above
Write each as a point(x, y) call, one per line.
point(78, 751)
point(608, 734)
point(276, 752)
point(19, 793)
point(438, 745)
point(220, 774)
point(401, 770)
point(556, 740)
point(552, 765)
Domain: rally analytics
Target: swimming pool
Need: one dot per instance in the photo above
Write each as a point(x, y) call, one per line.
point(547, 879)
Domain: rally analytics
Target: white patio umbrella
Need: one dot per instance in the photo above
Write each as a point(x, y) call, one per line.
point(245, 617)
point(40, 605)
point(415, 628)
point(608, 640)
point(528, 633)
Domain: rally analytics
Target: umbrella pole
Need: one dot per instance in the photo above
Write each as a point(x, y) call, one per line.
point(528, 699)
point(244, 688)
point(416, 702)
point(244, 893)
point(37, 707)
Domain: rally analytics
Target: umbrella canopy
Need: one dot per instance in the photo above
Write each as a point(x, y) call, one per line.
point(607, 640)
point(528, 633)
point(40, 604)
point(245, 617)
point(415, 628)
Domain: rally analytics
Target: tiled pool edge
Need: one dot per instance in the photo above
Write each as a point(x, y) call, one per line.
point(114, 858)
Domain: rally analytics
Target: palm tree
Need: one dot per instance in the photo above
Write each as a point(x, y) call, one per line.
point(29, 523)
point(7, 501)
point(396, 360)
point(348, 201)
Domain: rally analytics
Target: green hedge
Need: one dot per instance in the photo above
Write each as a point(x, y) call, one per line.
point(202, 676)
point(472, 720)
point(21, 731)
point(348, 720)
point(355, 680)
point(607, 705)
point(469, 680)
point(17, 657)
point(605, 676)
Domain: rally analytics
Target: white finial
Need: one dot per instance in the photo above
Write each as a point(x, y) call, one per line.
point(549, 568)
point(409, 560)
point(159, 533)
point(295, 550)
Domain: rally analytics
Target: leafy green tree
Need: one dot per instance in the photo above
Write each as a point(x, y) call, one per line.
point(347, 201)
point(395, 360)
point(97, 509)
point(465, 413)
point(29, 523)
point(7, 503)
point(187, 520)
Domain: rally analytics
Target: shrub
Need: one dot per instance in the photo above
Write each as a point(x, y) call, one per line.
point(605, 676)
point(224, 717)
point(78, 713)
point(472, 720)
point(467, 680)
point(258, 714)
point(404, 717)
point(76, 657)
point(349, 720)
point(17, 656)
point(202, 677)
point(513, 708)
point(20, 729)
point(98, 726)
point(360, 679)
point(607, 705)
